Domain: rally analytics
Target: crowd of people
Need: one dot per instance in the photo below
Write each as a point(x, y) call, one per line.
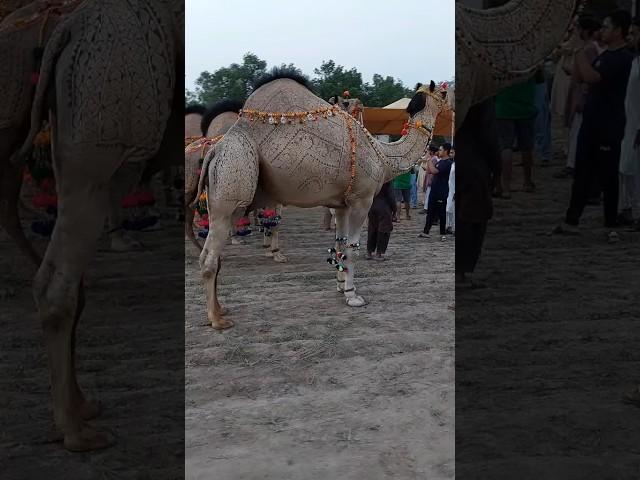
point(592, 86)
point(433, 180)
point(596, 94)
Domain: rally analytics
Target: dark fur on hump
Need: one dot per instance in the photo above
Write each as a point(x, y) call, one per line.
point(419, 100)
point(277, 73)
point(216, 109)
point(194, 108)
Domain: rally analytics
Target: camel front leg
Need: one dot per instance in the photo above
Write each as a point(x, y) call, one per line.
point(59, 300)
point(356, 215)
point(341, 234)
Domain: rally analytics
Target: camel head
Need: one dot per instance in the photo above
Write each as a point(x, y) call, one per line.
point(427, 102)
point(352, 106)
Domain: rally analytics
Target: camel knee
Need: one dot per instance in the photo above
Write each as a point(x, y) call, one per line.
point(57, 299)
point(209, 265)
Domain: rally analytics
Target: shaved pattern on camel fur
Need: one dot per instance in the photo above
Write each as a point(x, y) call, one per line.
point(499, 47)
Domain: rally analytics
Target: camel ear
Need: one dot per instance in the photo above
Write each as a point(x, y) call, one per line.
point(432, 86)
point(418, 85)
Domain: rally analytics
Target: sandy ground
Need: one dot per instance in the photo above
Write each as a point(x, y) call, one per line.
point(130, 356)
point(304, 387)
point(545, 351)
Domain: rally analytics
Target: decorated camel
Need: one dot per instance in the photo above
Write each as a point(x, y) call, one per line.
point(215, 122)
point(293, 148)
point(113, 68)
point(499, 47)
point(23, 34)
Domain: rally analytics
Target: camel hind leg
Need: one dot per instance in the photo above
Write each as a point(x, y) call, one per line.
point(59, 299)
point(10, 185)
point(233, 178)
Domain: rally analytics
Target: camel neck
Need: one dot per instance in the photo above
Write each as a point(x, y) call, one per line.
point(400, 156)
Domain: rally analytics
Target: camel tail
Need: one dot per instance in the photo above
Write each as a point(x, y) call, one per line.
point(56, 44)
point(204, 174)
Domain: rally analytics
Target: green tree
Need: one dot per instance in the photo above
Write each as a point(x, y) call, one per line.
point(384, 90)
point(189, 97)
point(233, 81)
point(334, 79)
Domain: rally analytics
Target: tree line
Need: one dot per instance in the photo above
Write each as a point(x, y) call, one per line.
point(235, 81)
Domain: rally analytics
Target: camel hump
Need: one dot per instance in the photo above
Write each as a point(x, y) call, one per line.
point(218, 108)
point(278, 73)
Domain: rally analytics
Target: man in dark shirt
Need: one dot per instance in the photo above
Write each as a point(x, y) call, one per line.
point(439, 192)
point(598, 150)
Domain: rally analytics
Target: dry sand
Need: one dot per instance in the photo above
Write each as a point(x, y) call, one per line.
point(545, 351)
point(129, 356)
point(304, 387)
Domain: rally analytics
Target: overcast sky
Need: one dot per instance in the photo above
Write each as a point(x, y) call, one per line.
point(411, 40)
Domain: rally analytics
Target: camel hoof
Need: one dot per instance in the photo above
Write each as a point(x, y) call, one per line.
point(236, 241)
point(355, 301)
point(280, 258)
point(221, 324)
point(88, 439)
point(90, 409)
point(223, 310)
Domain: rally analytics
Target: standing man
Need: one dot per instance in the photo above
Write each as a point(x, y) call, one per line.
point(543, 118)
point(439, 192)
point(603, 125)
